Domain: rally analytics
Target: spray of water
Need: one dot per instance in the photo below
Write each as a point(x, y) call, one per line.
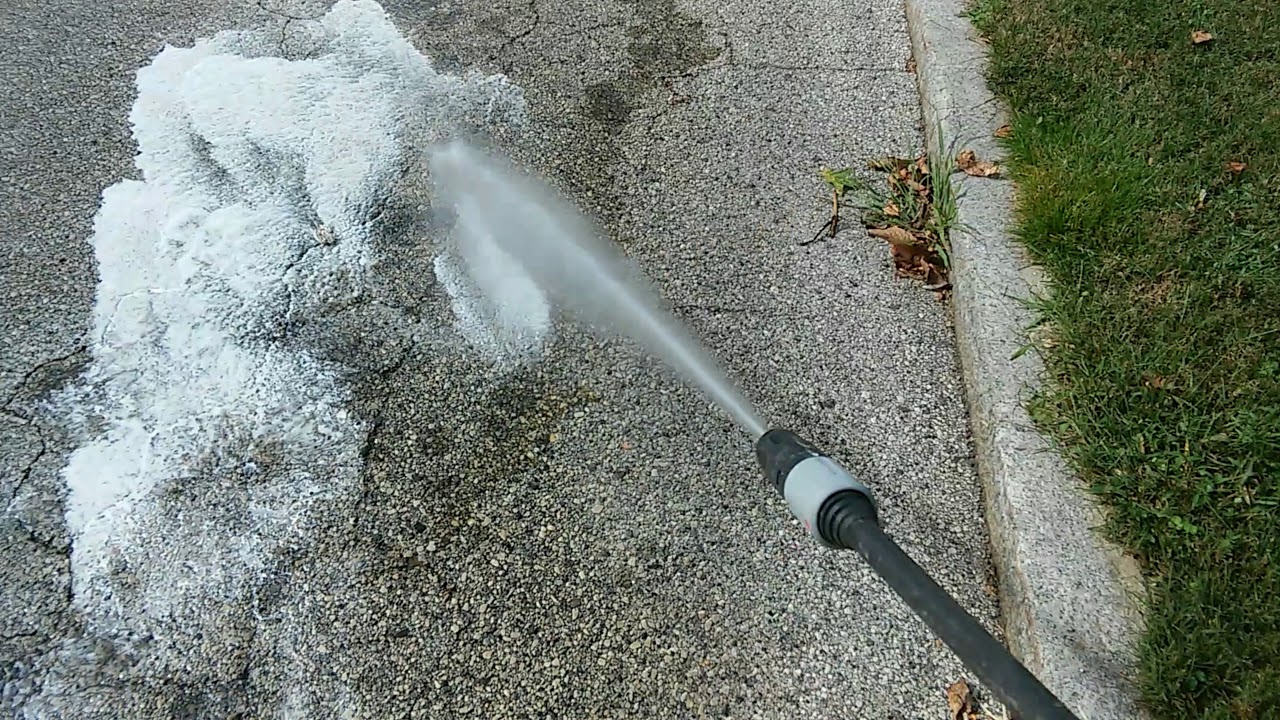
point(569, 261)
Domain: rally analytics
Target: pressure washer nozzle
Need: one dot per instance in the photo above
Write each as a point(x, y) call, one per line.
point(840, 513)
point(820, 493)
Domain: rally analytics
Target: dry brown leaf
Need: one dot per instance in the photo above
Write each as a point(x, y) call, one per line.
point(922, 165)
point(906, 251)
point(935, 278)
point(1200, 37)
point(891, 209)
point(895, 235)
point(1004, 131)
point(1235, 168)
point(960, 701)
point(968, 162)
point(907, 259)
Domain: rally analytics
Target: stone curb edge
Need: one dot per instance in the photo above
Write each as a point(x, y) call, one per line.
point(1070, 601)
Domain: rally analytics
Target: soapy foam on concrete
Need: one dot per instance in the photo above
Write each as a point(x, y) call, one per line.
point(211, 437)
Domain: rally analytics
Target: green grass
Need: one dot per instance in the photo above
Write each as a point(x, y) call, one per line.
point(1165, 375)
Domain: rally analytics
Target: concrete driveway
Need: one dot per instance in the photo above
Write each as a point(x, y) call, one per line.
point(258, 460)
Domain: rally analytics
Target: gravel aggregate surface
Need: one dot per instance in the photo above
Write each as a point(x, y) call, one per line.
point(583, 537)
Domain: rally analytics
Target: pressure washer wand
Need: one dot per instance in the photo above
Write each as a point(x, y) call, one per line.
point(840, 513)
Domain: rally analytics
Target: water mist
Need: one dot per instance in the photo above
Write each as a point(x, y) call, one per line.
point(574, 266)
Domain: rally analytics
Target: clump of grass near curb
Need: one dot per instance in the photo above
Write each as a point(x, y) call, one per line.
point(1146, 146)
point(912, 211)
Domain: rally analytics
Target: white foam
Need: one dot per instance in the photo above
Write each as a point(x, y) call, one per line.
point(209, 441)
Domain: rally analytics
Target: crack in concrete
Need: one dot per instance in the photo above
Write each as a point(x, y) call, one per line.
point(102, 337)
point(707, 308)
point(728, 60)
point(288, 20)
point(321, 233)
point(49, 545)
point(26, 378)
point(284, 36)
point(24, 476)
point(303, 255)
point(725, 59)
point(816, 68)
point(565, 31)
point(262, 5)
point(571, 30)
point(371, 439)
point(510, 41)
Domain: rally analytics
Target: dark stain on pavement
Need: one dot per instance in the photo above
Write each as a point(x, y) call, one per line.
point(608, 105)
point(662, 43)
point(665, 42)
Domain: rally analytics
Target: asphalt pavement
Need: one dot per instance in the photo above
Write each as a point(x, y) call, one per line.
point(352, 511)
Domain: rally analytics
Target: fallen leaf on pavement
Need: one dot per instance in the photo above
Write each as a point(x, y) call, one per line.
point(960, 702)
point(895, 235)
point(910, 260)
point(935, 279)
point(1004, 131)
point(1200, 37)
point(1236, 167)
point(912, 256)
point(983, 169)
point(968, 162)
point(627, 444)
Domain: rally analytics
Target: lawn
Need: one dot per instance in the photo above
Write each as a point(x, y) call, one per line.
point(1148, 175)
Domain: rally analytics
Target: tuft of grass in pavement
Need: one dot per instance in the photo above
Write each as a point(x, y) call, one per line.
point(914, 211)
point(1148, 171)
point(918, 196)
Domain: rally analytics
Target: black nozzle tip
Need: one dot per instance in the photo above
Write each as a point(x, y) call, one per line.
point(778, 451)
